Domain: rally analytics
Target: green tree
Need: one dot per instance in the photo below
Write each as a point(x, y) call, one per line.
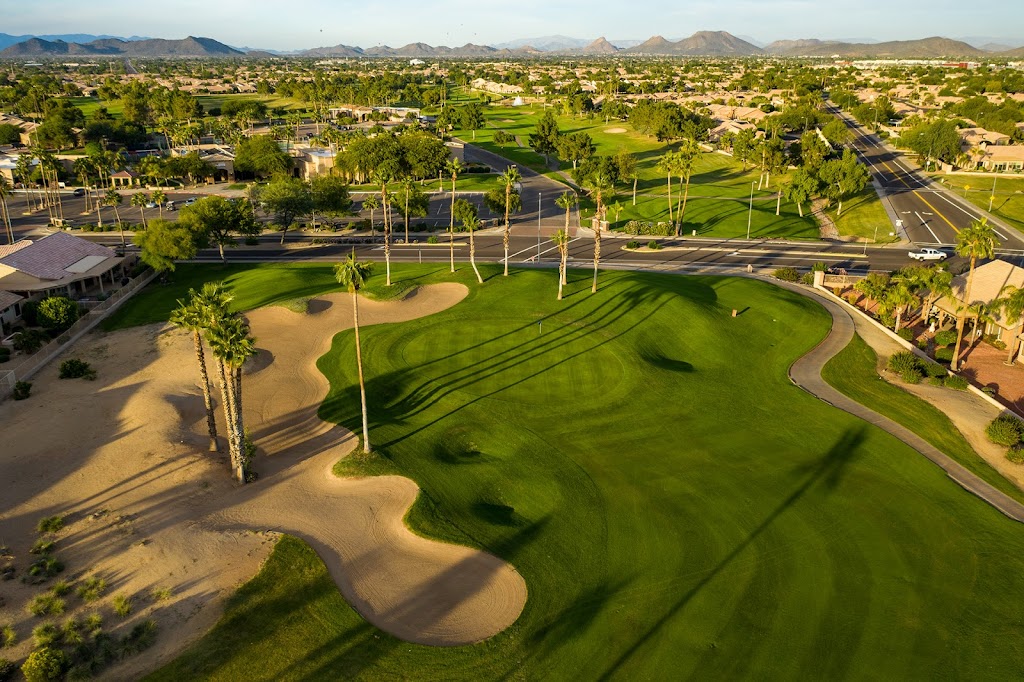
point(286, 199)
point(57, 313)
point(899, 297)
point(974, 242)
point(669, 164)
point(216, 220)
point(261, 155)
point(1011, 304)
point(801, 188)
point(352, 274)
point(411, 202)
point(159, 198)
point(471, 117)
point(575, 147)
point(330, 195)
point(467, 215)
point(544, 140)
point(628, 169)
point(843, 178)
point(114, 199)
point(561, 240)
point(836, 132)
point(139, 200)
point(372, 202)
point(165, 242)
point(813, 151)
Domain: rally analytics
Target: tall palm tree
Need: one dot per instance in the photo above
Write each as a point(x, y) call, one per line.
point(160, 198)
point(686, 161)
point(113, 199)
point(454, 167)
point(566, 200)
point(372, 202)
point(561, 240)
point(383, 176)
point(599, 184)
point(899, 298)
point(353, 274)
point(140, 200)
point(974, 242)
point(1011, 304)
point(5, 213)
point(668, 164)
point(510, 178)
point(468, 217)
point(195, 316)
point(229, 339)
point(407, 188)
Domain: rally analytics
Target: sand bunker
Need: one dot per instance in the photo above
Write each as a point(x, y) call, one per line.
point(148, 507)
point(615, 131)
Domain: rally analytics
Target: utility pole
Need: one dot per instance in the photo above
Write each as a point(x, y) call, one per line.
point(538, 226)
point(750, 209)
point(992, 196)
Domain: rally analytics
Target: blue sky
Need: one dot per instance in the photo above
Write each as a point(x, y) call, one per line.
point(295, 24)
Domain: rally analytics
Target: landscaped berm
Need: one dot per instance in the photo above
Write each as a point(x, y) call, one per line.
point(617, 485)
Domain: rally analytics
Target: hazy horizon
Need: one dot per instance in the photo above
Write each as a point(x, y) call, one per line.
point(318, 23)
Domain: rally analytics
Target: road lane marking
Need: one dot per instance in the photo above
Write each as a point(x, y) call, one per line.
point(925, 224)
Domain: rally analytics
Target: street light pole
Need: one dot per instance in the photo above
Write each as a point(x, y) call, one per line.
point(538, 226)
point(874, 240)
point(992, 196)
point(750, 210)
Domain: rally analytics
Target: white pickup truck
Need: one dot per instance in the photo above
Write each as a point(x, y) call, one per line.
point(928, 254)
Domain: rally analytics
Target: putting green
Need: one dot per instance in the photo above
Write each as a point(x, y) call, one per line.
point(677, 507)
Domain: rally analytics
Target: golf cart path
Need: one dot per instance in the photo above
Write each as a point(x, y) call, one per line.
point(806, 373)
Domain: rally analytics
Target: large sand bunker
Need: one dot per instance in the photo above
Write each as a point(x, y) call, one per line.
point(147, 507)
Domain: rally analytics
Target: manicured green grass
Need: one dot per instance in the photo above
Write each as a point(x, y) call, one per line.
point(678, 509)
point(863, 216)
point(854, 372)
point(1009, 195)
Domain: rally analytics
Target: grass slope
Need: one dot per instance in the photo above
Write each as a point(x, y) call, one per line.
point(854, 372)
point(677, 508)
point(1008, 203)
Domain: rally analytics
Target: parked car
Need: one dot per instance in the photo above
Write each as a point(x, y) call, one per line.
point(170, 206)
point(928, 254)
point(191, 200)
point(79, 192)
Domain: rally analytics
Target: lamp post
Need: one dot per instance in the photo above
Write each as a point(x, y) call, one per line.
point(538, 226)
point(992, 196)
point(874, 240)
point(750, 209)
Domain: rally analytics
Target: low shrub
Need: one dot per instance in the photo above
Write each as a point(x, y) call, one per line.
point(92, 589)
point(912, 375)
point(8, 636)
point(93, 622)
point(956, 382)
point(432, 239)
point(73, 368)
point(139, 639)
point(887, 319)
point(30, 340)
point(45, 634)
point(935, 370)
point(907, 334)
point(946, 337)
point(922, 344)
point(44, 569)
point(653, 245)
point(162, 593)
point(994, 341)
point(1005, 430)
point(787, 274)
point(46, 605)
point(643, 228)
point(852, 297)
point(22, 390)
point(819, 267)
point(1015, 455)
point(44, 665)
point(7, 669)
point(60, 588)
point(633, 244)
point(807, 278)
point(944, 354)
point(71, 632)
point(902, 361)
point(936, 381)
point(122, 605)
point(43, 546)
point(50, 524)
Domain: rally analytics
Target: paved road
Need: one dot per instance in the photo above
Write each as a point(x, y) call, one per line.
point(928, 213)
point(806, 373)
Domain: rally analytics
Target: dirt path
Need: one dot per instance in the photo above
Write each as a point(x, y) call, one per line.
point(826, 227)
point(148, 508)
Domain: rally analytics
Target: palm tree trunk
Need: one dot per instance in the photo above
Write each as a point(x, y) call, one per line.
point(800, 209)
point(472, 256)
point(451, 228)
point(670, 221)
point(120, 227)
point(242, 470)
point(387, 232)
point(899, 318)
point(407, 192)
point(597, 255)
point(565, 254)
point(682, 211)
point(778, 202)
point(961, 319)
point(204, 379)
point(228, 400)
point(634, 190)
point(1014, 344)
point(359, 365)
point(508, 197)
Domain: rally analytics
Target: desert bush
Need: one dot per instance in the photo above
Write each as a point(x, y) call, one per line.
point(956, 382)
point(935, 370)
point(73, 368)
point(936, 381)
point(807, 278)
point(887, 319)
point(944, 354)
point(140, 638)
point(1005, 430)
point(22, 390)
point(906, 333)
point(71, 632)
point(946, 337)
point(44, 568)
point(912, 375)
point(653, 245)
point(50, 524)
point(122, 605)
point(60, 588)
point(7, 669)
point(45, 634)
point(432, 239)
point(902, 361)
point(44, 665)
point(46, 604)
point(30, 340)
point(8, 637)
point(91, 589)
point(43, 546)
point(93, 622)
point(1015, 455)
point(819, 267)
point(162, 593)
point(787, 274)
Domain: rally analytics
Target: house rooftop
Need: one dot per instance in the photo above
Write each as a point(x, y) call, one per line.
point(54, 257)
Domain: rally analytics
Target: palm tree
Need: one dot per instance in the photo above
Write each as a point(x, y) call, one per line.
point(195, 317)
point(140, 200)
point(561, 240)
point(566, 200)
point(1011, 303)
point(5, 213)
point(160, 198)
point(510, 178)
point(353, 275)
point(454, 167)
point(898, 298)
point(599, 183)
point(686, 159)
point(668, 165)
point(384, 176)
point(407, 188)
point(974, 242)
point(874, 286)
point(372, 202)
point(228, 336)
point(113, 199)
point(468, 217)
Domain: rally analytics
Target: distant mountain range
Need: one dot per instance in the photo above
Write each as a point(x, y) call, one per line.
point(701, 43)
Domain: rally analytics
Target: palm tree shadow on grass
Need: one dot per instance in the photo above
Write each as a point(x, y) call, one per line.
point(828, 470)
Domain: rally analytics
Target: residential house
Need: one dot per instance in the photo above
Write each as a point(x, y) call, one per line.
point(990, 281)
point(10, 311)
point(59, 264)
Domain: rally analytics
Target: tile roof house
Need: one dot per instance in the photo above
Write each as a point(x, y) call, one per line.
point(58, 264)
point(990, 281)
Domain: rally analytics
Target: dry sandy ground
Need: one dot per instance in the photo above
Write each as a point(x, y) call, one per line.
point(969, 413)
point(615, 131)
point(148, 508)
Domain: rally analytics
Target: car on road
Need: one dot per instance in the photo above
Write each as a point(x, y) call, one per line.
point(151, 204)
point(79, 192)
point(928, 254)
point(170, 206)
point(191, 200)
